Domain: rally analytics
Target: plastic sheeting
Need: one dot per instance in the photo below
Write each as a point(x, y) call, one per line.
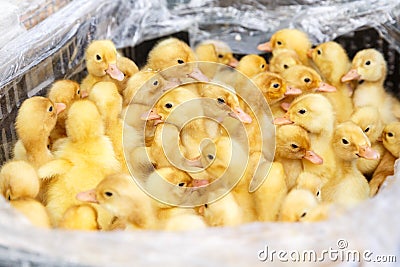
point(372, 226)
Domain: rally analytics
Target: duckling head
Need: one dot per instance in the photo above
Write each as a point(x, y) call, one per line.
point(390, 138)
point(369, 120)
point(251, 65)
point(283, 59)
point(297, 204)
point(287, 38)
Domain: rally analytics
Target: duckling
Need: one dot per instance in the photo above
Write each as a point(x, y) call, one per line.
point(290, 39)
point(283, 59)
point(369, 68)
point(36, 111)
point(80, 217)
point(109, 103)
point(101, 60)
point(82, 161)
point(369, 120)
point(300, 206)
point(33, 210)
point(311, 182)
point(348, 186)
point(18, 179)
point(251, 65)
point(390, 138)
point(173, 52)
point(332, 62)
point(67, 92)
point(315, 114)
point(128, 68)
point(293, 145)
point(216, 51)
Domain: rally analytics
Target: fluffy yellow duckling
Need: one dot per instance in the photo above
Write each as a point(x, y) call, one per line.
point(18, 179)
point(251, 65)
point(369, 68)
point(109, 103)
point(173, 52)
point(67, 92)
point(128, 68)
point(101, 61)
point(315, 114)
point(311, 182)
point(332, 62)
point(293, 145)
point(283, 59)
point(348, 186)
point(302, 206)
point(291, 39)
point(83, 160)
point(80, 217)
point(33, 210)
point(216, 51)
point(390, 138)
point(369, 120)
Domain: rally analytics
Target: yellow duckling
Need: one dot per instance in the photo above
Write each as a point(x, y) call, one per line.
point(348, 186)
point(283, 59)
point(33, 210)
point(251, 65)
point(80, 217)
point(311, 182)
point(216, 51)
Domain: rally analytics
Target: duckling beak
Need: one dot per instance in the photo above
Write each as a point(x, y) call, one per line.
point(60, 107)
point(239, 114)
point(379, 139)
point(198, 75)
point(87, 196)
point(114, 72)
point(267, 47)
point(290, 90)
point(199, 182)
point(368, 153)
point(150, 115)
point(351, 75)
point(283, 120)
point(168, 84)
point(285, 106)
point(313, 157)
point(201, 210)
point(309, 53)
point(196, 162)
point(84, 94)
point(233, 62)
point(324, 87)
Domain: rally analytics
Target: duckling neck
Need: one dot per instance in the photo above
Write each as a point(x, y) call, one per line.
point(36, 150)
point(347, 167)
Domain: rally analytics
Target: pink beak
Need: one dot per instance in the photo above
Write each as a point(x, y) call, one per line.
point(368, 153)
point(283, 120)
point(265, 47)
point(351, 75)
point(324, 87)
point(313, 157)
point(285, 106)
point(198, 75)
point(239, 114)
point(60, 107)
point(196, 162)
point(87, 196)
point(309, 53)
point(151, 115)
point(233, 62)
point(199, 183)
point(169, 85)
point(84, 94)
point(293, 91)
point(114, 72)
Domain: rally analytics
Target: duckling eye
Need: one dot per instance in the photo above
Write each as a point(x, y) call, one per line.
point(368, 62)
point(98, 57)
point(108, 194)
point(206, 206)
point(210, 156)
point(48, 146)
point(294, 145)
point(262, 66)
point(181, 184)
point(279, 43)
point(302, 111)
point(303, 215)
point(285, 66)
point(221, 100)
point(366, 130)
point(168, 105)
point(9, 197)
point(180, 61)
point(344, 141)
point(155, 83)
point(390, 134)
point(220, 56)
point(318, 193)
point(307, 80)
point(319, 52)
point(50, 108)
point(276, 85)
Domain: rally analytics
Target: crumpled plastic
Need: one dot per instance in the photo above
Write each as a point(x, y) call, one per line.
point(370, 227)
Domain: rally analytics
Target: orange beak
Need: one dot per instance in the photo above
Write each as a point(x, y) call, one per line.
point(267, 47)
point(313, 157)
point(283, 120)
point(60, 107)
point(351, 75)
point(368, 153)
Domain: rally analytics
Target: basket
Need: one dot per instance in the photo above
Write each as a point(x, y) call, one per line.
point(372, 226)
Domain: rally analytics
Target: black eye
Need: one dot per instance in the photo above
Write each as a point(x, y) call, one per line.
point(181, 184)
point(390, 134)
point(98, 57)
point(168, 105)
point(9, 197)
point(262, 66)
point(285, 66)
point(344, 141)
point(180, 61)
point(279, 43)
point(307, 80)
point(318, 193)
point(302, 111)
point(294, 145)
point(220, 100)
point(109, 194)
point(319, 52)
point(48, 146)
point(276, 85)
point(303, 215)
point(79, 91)
point(155, 83)
point(368, 62)
point(210, 156)
point(366, 130)
point(220, 56)
point(206, 206)
point(50, 108)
